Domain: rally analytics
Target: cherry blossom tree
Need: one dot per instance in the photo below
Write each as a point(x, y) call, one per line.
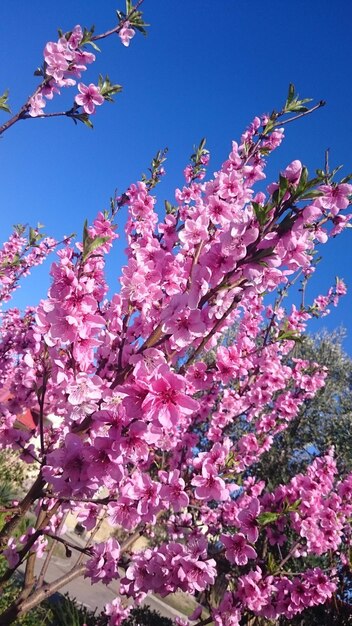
point(145, 415)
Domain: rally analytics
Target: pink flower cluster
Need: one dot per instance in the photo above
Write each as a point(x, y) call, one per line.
point(64, 62)
point(168, 391)
point(103, 565)
point(171, 567)
point(17, 257)
point(13, 549)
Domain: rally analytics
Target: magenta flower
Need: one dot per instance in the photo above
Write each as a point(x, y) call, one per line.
point(293, 172)
point(89, 97)
point(209, 486)
point(195, 231)
point(173, 492)
point(166, 400)
point(103, 565)
point(247, 519)
point(117, 612)
point(336, 197)
point(237, 549)
point(11, 553)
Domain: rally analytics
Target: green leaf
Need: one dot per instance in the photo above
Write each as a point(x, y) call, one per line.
point(3, 102)
point(293, 103)
point(261, 212)
point(290, 95)
point(267, 518)
point(290, 335)
point(82, 117)
point(346, 179)
point(90, 244)
point(136, 19)
point(264, 151)
point(169, 208)
point(32, 236)
point(302, 184)
point(87, 36)
point(294, 506)
point(269, 126)
point(94, 45)
point(95, 243)
point(86, 236)
point(283, 186)
point(321, 174)
point(107, 89)
point(19, 229)
point(272, 567)
point(312, 194)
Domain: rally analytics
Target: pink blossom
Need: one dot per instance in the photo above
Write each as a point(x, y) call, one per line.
point(209, 486)
point(37, 104)
point(247, 519)
point(166, 400)
point(237, 549)
point(293, 172)
point(335, 197)
point(11, 553)
point(126, 34)
point(103, 565)
point(117, 612)
point(89, 97)
point(173, 490)
point(195, 231)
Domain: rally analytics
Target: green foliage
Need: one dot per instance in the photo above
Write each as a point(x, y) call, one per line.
point(293, 103)
point(144, 616)
point(40, 616)
point(325, 420)
point(136, 19)
point(79, 117)
point(4, 102)
point(155, 169)
point(89, 243)
point(107, 89)
point(12, 475)
point(67, 612)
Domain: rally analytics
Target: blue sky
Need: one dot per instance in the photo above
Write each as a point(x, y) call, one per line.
point(205, 69)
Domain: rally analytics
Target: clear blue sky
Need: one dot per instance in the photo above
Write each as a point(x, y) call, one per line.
point(205, 69)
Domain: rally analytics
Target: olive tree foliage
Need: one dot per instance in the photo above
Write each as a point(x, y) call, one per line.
point(323, 421)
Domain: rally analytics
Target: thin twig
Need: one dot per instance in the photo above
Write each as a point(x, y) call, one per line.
point(320, 104)
point(117, 28)
point(68, 544)
point(49, 554)
point(91, 538)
